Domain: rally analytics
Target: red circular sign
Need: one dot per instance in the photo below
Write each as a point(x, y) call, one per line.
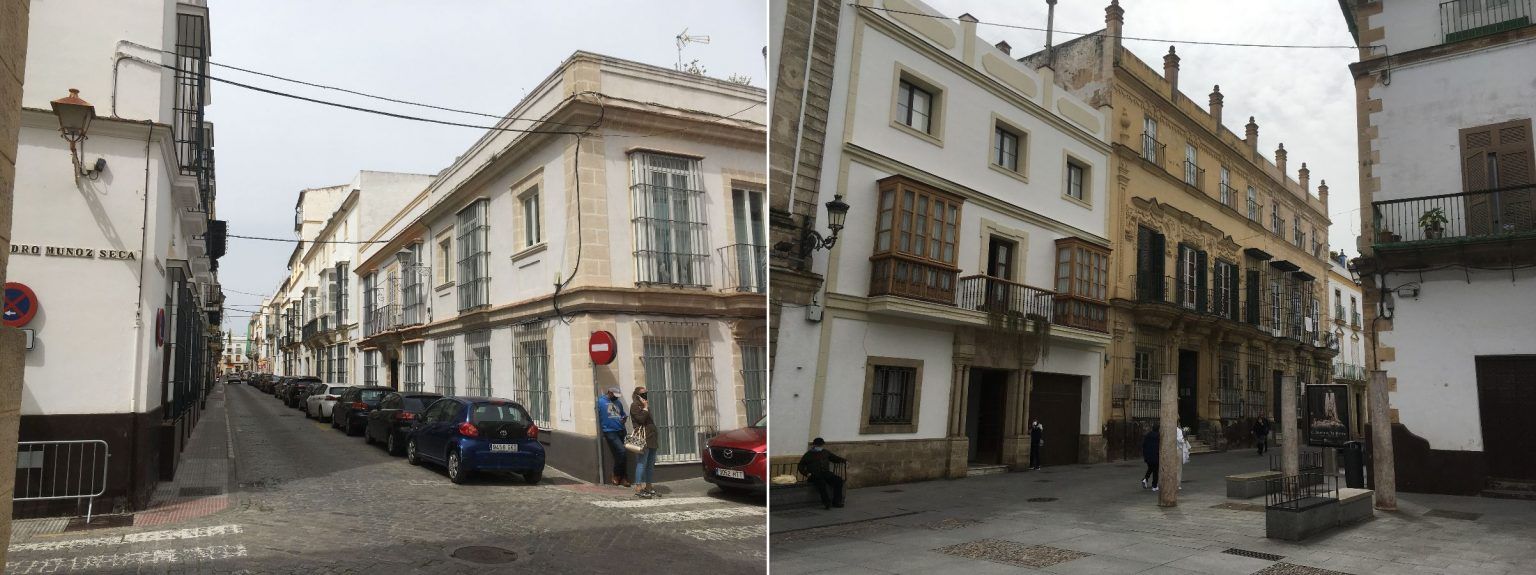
point(160, 327)
point(602, 348)
point(21, 304)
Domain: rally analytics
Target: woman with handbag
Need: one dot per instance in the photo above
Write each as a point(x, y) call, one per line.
point(643, 442)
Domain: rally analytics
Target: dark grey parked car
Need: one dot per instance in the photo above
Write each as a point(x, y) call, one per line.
point(350, 414)
point(391, 422)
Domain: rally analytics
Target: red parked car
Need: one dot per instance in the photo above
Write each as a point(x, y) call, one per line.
point(738, 459)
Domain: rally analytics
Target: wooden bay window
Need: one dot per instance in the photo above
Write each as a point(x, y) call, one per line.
point(1082, 284)
point(916, 232)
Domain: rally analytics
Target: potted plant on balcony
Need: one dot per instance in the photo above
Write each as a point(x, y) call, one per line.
point(1433, 221)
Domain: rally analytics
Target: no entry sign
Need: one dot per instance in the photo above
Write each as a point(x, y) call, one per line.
point(21, 304)
point(602, 348)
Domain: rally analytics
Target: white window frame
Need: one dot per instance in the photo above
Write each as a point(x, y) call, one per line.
point(474, 255)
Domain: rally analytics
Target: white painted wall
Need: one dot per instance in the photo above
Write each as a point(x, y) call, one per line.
point(1436, 337)
point(1415, 24)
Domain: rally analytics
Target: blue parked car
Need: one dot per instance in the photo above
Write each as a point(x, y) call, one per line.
point(471, 434)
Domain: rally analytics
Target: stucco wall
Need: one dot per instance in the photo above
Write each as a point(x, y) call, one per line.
point(1437, 337)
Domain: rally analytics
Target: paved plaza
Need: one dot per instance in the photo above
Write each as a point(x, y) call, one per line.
point(293, 496)
point(1097, 519)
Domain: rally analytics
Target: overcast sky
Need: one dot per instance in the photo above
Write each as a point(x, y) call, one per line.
point(481, 56)
point(1302, 97)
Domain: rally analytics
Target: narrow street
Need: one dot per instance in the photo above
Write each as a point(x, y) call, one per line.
point(303, 498)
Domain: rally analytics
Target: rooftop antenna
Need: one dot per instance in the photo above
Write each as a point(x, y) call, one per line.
point(683, 39)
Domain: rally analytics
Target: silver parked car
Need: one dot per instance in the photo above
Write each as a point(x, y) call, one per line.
point(319, 405)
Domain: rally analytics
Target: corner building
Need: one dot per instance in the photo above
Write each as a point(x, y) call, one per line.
point(1221, 258)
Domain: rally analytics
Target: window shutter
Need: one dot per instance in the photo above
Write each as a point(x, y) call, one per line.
point(1159, 247)
point(1514, 152)
point(1143, 261)
point(1232, 292)
point(1254, 283)
point(1178, 276)
point(1202, 294)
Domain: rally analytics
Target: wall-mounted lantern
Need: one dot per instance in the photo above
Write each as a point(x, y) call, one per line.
point(837, 214)
point(75, 116)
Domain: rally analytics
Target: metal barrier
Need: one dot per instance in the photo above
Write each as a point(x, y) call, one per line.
point(75, 469)
point(1303, 490)
point(1305, 460)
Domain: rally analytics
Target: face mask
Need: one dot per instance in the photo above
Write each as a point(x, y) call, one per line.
point(815, 449)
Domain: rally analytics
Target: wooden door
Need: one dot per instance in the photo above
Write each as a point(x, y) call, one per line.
point(1056, 399)
point(1506, 398)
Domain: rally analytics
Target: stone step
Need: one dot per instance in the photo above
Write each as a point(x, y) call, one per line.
point(1510, 494)
point(976, 470)
point(1511, 484)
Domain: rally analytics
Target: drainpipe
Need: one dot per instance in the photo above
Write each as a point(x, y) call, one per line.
point(805, 90)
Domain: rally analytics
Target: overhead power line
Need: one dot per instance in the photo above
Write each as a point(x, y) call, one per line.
point(1124, 37)
point(293, 241)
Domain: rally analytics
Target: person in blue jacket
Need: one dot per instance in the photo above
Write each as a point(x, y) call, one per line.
point(610, 418)
point(1151, 448)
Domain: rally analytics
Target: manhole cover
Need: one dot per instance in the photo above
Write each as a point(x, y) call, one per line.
point(1011, 553)
point(1040, 499)
point(1253, 554)
point(1293, 569)
point(485, 555)
point(1448, 514)
point(199, 491)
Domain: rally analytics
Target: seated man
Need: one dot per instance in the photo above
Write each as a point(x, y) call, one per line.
point(816, 466)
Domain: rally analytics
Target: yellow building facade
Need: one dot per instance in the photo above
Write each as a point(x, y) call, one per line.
point(1220, 267)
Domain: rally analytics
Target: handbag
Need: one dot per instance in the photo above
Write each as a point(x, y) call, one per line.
point(635, 443)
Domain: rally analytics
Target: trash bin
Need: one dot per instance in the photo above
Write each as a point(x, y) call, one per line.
point(1354, 465)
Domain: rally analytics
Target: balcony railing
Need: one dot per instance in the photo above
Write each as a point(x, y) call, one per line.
point(1194, 175)
point(1151, 149)
point(1467, 215)
point(1348, 372)
point(1255, 211)
point(1354, 318)
point(1228, 194)
point(384, 318)
point(316, 327)
point(1464, 19)
point(997, 295)
point(903, 275)
point(744, 268)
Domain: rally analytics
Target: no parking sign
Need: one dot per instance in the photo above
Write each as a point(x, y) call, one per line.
point(21, 304)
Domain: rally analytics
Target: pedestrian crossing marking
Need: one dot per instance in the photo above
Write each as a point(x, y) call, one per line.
point(638, 503)
point(699, 515)
point(162, 535)
point(728, 533)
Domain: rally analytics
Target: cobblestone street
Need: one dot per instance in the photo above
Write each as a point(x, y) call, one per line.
point(299, 497)
point(1097, 519)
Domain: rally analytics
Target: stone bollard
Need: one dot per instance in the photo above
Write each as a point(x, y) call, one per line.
point(1169, 463)
point(1385, 475)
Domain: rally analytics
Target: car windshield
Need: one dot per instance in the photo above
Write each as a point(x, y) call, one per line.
point(336, 389)
point(417, 403)
point(498, 412)
point(372, 394)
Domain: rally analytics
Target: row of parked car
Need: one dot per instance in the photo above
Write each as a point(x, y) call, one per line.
point(465, 435)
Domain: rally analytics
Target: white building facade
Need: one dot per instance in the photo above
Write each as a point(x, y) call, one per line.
point(1449, 236)
point(649, 226)
point(116, 236)
point(965, 293)
point(1348, 330)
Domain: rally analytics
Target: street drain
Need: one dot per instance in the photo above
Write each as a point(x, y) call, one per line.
point(1253, 554)
point(1448, 514)
point(1040, 499)
point(485, 555)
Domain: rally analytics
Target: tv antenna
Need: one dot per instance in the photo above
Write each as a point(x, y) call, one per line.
point(683, 39)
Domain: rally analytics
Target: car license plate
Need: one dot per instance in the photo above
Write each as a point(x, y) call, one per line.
point(732, 473)
point(503, 447)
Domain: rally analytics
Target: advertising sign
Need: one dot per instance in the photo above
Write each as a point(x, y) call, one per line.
point(1327, 421)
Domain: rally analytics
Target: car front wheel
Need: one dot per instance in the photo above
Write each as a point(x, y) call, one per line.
point(390, 444)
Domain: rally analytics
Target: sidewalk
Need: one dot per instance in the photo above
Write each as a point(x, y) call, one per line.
point(1097, 519)
point(201, 487)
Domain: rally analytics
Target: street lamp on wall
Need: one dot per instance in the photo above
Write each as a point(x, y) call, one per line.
point(75, 116)
point(837, 214)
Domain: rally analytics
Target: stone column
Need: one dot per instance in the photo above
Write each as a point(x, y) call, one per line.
point(1289, 447)
point(959, 444)
point(1382, 460)
point(1168, 451)
point(13, 65)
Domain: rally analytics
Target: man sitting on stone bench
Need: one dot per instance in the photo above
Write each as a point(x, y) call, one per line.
point(816, 466)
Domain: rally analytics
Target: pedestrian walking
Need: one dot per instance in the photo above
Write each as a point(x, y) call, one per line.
point(1182, 444)
point(816, 466)
point(1036, 442)
point(1151, 448)
point(611, 418)
point(1261, 434)
point(645, 461)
